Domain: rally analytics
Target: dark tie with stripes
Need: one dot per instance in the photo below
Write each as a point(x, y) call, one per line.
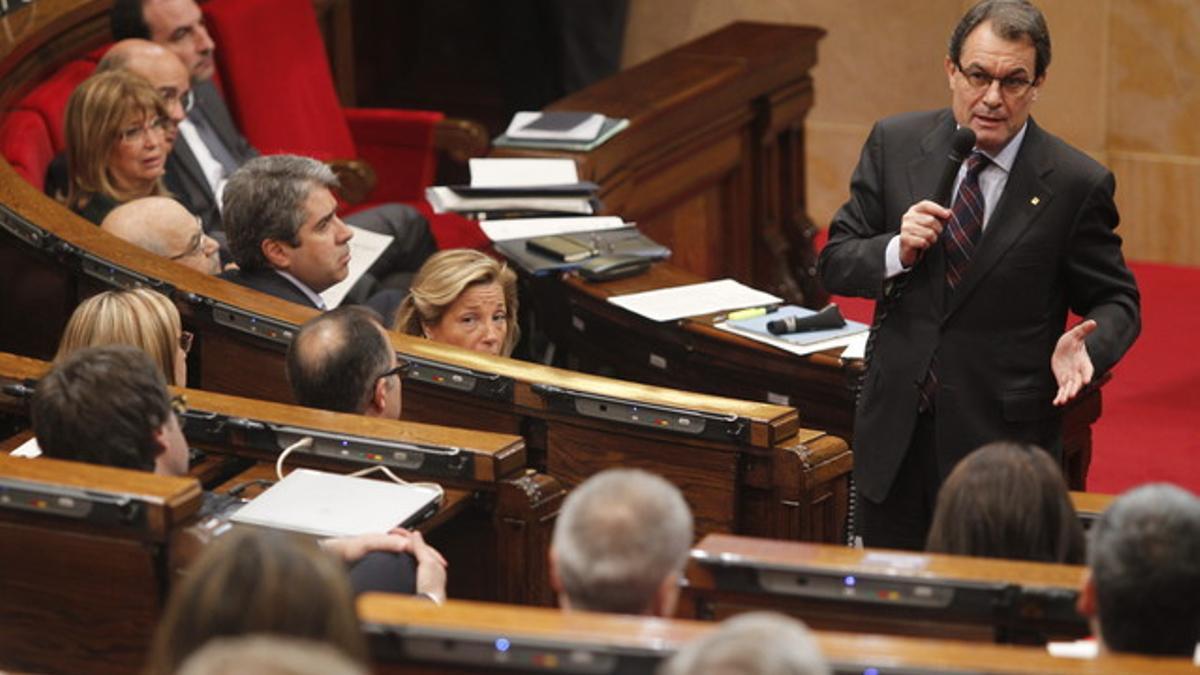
point(958, 239)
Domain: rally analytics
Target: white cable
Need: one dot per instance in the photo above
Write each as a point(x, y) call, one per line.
point(307, 442)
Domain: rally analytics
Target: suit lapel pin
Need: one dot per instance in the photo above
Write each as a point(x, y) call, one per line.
point(1035, 201)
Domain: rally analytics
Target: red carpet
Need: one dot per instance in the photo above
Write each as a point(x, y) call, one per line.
point(1150, 428)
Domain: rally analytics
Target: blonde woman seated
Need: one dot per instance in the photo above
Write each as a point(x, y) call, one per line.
point(464, 298)
point(117, 146)
point(139, 318)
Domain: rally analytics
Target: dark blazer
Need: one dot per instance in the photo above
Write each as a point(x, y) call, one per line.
point(184, 178)
point(267, 281)
point(1050, 245)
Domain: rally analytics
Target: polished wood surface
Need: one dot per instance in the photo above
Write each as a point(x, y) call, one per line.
point(401, 627)
point(1090, 505)
point(878, 590)
point(712, 163)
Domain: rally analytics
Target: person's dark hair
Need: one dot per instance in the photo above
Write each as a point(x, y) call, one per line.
point(102, 405)
point(1007, 500)
point(335, 359)
point(258, 581)
point(127, 20)
point(264, 199)
point(1145, 563)
point(1011, 20)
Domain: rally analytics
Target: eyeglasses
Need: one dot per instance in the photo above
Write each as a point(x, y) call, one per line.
point(1012, 85)
point(185, 340)
point(137, 133)
point(196, 242)
point(179, 404)
point(400, 369)
point(187, 100)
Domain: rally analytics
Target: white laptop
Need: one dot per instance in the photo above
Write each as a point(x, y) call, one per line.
point(330, 505)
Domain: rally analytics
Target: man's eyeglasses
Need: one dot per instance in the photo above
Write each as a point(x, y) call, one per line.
point(1012, 85)
point(400, 369)
point(185, 340)
point(137, 133)
point(187, 100)
point(196, 242)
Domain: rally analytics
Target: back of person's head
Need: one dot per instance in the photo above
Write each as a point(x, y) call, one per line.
point(102, 405)
point(336, 359)
point(757, 643)
point(620, 544)
point(97, 112)
point(265, 199)
point(126, 20)
point(268, 655)
point(258, 581)
point(1144, 562)
point(1007, 500)
point(443, 278)
point(139, 318)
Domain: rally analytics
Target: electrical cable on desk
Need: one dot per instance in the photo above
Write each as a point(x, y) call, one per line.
point(307, 442)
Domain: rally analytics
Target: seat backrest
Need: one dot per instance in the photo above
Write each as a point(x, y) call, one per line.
point(276, 77)
point(33, 132)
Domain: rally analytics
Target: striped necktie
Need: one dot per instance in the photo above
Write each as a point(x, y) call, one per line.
point(966, 222)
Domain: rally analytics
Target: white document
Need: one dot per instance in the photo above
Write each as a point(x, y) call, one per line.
point(523, 228)
point(365, 249)
point(797, 349)
point(29, 449)
point(669, 304)
point(502, 172)
point(443, 200)
point(585, 131)
point(856, 349)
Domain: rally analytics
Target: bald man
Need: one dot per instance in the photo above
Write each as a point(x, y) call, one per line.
point(343, 361)
point(162, 226)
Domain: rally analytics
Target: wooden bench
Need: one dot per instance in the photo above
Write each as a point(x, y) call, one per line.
point(408, 637)
point(876, 590)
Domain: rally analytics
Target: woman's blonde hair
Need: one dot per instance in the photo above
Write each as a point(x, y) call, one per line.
point(258, 582)
point(443, 278)
point(140, 318)
point(97, 112)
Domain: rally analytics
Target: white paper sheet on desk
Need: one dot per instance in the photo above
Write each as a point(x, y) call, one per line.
point(365, 249)
point(523, 228)
point(668, 304)
point(798, 349)
point(517, 172)
point(29, 449)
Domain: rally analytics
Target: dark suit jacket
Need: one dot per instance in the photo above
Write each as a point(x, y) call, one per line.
point(184, 178)
point(267, 281)
point(1050, 245)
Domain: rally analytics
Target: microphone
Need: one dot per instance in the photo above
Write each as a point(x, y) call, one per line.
point(960, 146)
point(830, 317)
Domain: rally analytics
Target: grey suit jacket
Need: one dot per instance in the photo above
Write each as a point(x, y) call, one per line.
point(184, 178)
point(1050, 245)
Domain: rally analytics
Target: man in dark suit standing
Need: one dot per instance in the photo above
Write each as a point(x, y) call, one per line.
point(969, 344)
point(286, 237)
point(209, 147)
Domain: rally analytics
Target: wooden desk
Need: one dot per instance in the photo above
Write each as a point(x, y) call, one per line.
point(82, 592)
point(712, 163)
point(408, 636)
point(1089, 506)
point(692, 354)
point(903, 593)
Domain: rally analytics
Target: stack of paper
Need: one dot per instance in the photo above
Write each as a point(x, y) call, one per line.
point(851, 336)
point(668, 304)
point(560, 130)
point(517, 186)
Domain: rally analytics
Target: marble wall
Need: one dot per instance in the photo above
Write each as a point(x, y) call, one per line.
point(1124, 86)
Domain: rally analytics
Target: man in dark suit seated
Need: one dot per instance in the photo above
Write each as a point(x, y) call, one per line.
point(210, 148)
point(1142, 592)
point(110, 406)
point(343, 361)
point(968, 344)
point(620, 544)
point(284, 232)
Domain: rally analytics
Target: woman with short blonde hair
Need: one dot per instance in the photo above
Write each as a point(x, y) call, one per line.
point(466, 298)
point(116, 133)
point(140, 318)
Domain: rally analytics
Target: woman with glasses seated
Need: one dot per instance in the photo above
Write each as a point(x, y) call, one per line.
point(117, 130)
point(139, 318)
point(464, 298)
